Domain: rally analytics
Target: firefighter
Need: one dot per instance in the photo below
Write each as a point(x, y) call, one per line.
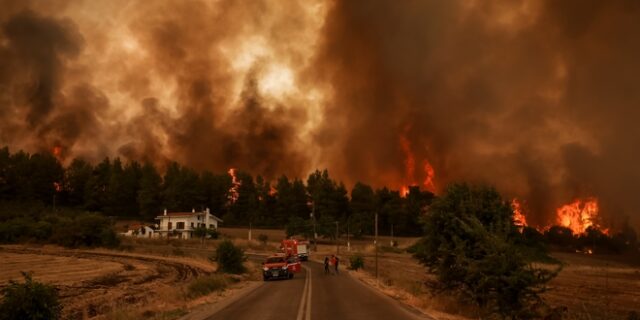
point(326, 265)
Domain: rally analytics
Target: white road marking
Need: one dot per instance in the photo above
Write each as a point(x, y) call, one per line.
point(304, 293)
point(308, 317)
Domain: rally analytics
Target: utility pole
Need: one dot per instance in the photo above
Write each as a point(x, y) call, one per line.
point(348, 243)
point(315, 234)
point(375, 243)
point(391, 235)
point(337, 235)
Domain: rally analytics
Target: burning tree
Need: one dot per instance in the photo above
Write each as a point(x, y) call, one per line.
point(471, 245)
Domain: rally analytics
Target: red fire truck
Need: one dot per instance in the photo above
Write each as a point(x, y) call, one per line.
point(297, 248)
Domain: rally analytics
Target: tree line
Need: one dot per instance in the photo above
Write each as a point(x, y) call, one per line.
point(139, 190)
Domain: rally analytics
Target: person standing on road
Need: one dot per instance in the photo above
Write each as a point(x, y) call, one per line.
point(333, 261)
point(326, 265)
point(336, 262)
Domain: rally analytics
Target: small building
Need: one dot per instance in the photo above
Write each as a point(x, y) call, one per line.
point(140, 231)
point(183, 224)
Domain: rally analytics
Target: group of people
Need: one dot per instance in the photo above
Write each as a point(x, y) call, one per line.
point(331, 261)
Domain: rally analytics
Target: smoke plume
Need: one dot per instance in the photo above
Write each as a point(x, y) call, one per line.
point(539, 98)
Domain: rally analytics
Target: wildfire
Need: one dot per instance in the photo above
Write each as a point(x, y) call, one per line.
point(519, 218)
point(235, 184)
point(410, 168)
point(428, 181)
point(579, 215)
point(57, 152)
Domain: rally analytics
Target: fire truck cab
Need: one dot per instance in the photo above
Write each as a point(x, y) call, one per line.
point(280, 267)
point(297, 248)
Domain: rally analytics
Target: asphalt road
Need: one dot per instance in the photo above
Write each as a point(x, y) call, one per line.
point(313, 295)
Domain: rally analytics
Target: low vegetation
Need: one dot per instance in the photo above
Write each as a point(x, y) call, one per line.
point(69, 228)
point(230, 258)
point(356, 262)
point(29, 300)
point(206, 284)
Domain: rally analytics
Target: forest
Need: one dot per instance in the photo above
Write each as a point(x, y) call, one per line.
point(139, 190)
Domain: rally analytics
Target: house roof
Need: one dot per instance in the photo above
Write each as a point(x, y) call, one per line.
point(186, 214)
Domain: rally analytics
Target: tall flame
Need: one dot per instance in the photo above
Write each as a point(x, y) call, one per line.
point(519, 218)
point(235, 184)
point(579, 215)
point(430, 173)
point(410, 167)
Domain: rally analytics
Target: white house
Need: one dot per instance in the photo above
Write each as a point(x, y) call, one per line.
point(183, 224)
point(140, 231)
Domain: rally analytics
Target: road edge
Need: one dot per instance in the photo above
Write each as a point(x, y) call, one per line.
point(409, 309)
point(207, 310)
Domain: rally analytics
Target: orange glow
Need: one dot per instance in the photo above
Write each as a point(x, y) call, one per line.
point(57, 152)
point(410, 167)
point(404, 191)
point(57, 186)
point(519, 218)
point(235, 184)
point(428, 181)
point(579, 215)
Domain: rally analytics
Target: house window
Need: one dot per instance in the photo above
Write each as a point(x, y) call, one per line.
point(180, 225)
point(191, 225)
point(169, 225)
point(210, 226)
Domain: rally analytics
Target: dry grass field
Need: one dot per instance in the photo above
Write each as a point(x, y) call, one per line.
point(589, 287)
point(151, 280)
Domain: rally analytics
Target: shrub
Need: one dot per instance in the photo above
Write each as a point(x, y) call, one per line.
point(470, 245)
point(263, 238)
point(230, 258)
point(356, 262)
point(29, 300)
point(205, 285)
point(86, 229)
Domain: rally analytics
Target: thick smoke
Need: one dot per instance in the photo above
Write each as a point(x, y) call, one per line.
point(539, 98)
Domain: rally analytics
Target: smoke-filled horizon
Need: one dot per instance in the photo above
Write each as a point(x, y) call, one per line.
point(539, 98)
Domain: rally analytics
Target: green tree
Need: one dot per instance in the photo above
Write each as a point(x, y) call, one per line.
point(230, 258)
point(96, 189)
point(29, 300)
point(149, 193)
point(245, 209)
point(182, 189)
point(75, 181)
point(469, 245)
point(363, 209)
point(215, 191)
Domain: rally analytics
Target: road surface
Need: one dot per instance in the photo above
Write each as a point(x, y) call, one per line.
point(313, 295)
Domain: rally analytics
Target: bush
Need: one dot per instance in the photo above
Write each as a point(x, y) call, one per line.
point(356, 262)
point(205, 285)
point(230, 258)
point(263, 238)
point(87, 229)
point(29, 300)
point(470, 245)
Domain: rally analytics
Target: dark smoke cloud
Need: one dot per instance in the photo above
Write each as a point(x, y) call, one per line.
point(539, 98)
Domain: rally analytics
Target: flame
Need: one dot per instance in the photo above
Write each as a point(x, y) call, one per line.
point(235, 184)
point(410, 167)
point(519, 218)
point(272, 191)
point(430, 173)
point(57, 152)
point(579, 215)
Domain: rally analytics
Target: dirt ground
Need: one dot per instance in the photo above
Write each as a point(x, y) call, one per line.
point(108, 284)
point(589, 287)
point(595, 287)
